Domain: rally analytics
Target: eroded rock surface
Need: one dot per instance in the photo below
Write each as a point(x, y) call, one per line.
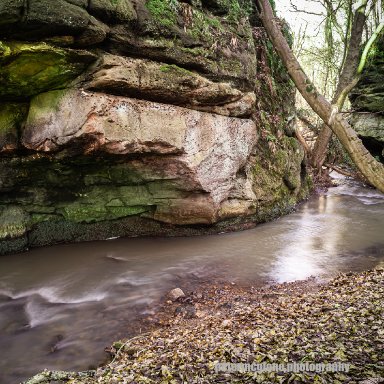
point(166, 83)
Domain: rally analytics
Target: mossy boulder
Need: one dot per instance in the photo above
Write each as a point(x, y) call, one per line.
point(113, 11)
point(368, 95)
point(27, 69)
point(278, 172)
point(367, 99)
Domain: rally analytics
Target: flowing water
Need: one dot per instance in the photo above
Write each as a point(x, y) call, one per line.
point(60, 306)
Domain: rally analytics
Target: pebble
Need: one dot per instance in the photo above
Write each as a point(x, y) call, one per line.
point(226, 323)
point(176, 294)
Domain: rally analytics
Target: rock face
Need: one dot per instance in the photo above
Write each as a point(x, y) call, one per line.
point(367, 100)
point(127, 118)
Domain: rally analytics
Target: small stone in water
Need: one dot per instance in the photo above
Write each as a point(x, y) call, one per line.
point(175, 294)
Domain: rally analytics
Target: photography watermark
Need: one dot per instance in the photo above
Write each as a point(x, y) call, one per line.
point(285, 367)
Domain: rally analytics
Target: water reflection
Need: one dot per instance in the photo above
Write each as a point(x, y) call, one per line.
point(330, 233)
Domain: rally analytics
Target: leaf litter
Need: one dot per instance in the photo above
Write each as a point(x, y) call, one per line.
point(305, 321)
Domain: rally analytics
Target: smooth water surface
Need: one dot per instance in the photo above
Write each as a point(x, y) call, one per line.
point(61, 306)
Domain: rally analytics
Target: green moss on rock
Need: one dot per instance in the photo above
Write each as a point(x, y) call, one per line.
point(13, 222)
point(113, 11)
point(28, 69)
point(278, 178)
point(172, 68)
point(163, 12)
point(11, 117)
point(88, 213)
point(193, 37)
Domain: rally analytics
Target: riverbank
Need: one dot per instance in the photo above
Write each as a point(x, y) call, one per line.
point(305, 321)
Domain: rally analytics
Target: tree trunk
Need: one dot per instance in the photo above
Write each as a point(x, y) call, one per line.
point(372, 170)
point(347, 76)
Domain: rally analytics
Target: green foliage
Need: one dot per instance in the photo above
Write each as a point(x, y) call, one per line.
point(163, 11)
point(238, 9)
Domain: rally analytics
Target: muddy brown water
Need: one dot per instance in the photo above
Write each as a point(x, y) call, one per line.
point(60, 306)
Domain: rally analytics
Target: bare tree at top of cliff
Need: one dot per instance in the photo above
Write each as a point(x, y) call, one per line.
point(367, 164)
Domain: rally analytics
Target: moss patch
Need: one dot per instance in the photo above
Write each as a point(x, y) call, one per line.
point(163, 12)
point(175, 69)
point(11, 117)
point(13, 222)
point(28, 69)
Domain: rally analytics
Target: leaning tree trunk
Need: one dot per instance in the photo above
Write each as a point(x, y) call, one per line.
point(367, 164)
point(346, 78)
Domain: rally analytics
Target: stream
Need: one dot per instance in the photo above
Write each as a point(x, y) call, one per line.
point(60, 306)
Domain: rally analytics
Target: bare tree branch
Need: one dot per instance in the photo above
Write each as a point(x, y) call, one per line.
point(303, 11)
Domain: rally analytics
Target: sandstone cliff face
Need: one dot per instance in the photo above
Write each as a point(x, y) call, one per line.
point(368, 103)
point(134, 117)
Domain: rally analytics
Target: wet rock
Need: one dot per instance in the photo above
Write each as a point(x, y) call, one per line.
point(176, 294)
